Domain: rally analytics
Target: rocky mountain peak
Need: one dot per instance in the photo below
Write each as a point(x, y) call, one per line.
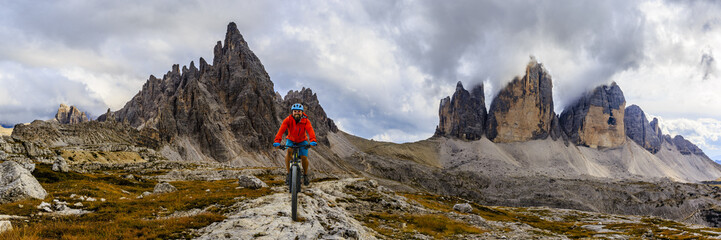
point(70, 115)
point(234, 42)
point(523, 110)
point(220, 112)
point(686, 147)
point(463, 115)
point(640, 130)
point(597, 118)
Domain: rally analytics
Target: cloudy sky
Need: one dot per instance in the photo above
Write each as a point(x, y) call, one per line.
point(381, 67)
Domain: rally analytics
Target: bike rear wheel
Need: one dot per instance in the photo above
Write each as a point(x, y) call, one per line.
point(294, 188)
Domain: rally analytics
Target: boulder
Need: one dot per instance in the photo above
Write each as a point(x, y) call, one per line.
point(16, 183)
point(5, 226)
point(639, 129)
point(60, 165)
point(24, 161)
point(462, 116)
point(164, 187)
point(463, 207)
point(596, 120)
point(252, 182)
point(523, 110)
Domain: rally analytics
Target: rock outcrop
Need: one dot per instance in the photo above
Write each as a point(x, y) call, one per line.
point(597, 118)
point(40, 136)
point(107, 116)
point(16, 183)
point(250, 181)
point(639, 129)
point(60, 165)
point(70, 115)
point(523, 110)
point(164, 187)
point(463, 115)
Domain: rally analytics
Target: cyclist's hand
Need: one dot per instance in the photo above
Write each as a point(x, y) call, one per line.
point(313, 144)
point(277, 145)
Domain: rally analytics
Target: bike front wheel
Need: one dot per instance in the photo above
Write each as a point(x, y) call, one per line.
point(294, 188)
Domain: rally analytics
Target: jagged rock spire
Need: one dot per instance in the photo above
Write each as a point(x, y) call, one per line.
point(523, 110)
point(640, 130)
point(463, 116)
point(597, 118)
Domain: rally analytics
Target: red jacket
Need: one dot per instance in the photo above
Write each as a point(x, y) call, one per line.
point(296, 131)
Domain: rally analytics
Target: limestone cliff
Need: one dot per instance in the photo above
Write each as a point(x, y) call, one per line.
point(463, 116)
point(639, 129)
point(597, 118)
point(523, 110)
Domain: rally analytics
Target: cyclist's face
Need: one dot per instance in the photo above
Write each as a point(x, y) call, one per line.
point(297, 113)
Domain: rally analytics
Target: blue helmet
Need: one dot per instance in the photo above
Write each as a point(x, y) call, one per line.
point(296, 106)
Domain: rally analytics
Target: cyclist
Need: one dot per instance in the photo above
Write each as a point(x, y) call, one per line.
point(297, 125)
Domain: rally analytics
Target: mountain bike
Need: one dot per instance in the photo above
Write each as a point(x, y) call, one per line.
point(294, 185)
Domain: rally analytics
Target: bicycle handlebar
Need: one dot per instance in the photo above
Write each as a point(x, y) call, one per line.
point(283, 147)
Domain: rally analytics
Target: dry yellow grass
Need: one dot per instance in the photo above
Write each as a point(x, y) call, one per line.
point(437, 225)
point(127, 218)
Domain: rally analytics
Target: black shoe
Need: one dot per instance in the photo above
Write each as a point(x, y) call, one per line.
point(306, 181)
point(287, 179)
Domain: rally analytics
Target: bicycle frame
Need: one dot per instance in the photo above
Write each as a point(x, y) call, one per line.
point(295, 185)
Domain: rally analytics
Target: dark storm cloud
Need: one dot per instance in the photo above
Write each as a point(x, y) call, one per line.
point(493, 34)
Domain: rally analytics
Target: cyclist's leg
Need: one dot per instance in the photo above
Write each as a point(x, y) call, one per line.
point(304, 162)
point(304, 157)
point(288, 155)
